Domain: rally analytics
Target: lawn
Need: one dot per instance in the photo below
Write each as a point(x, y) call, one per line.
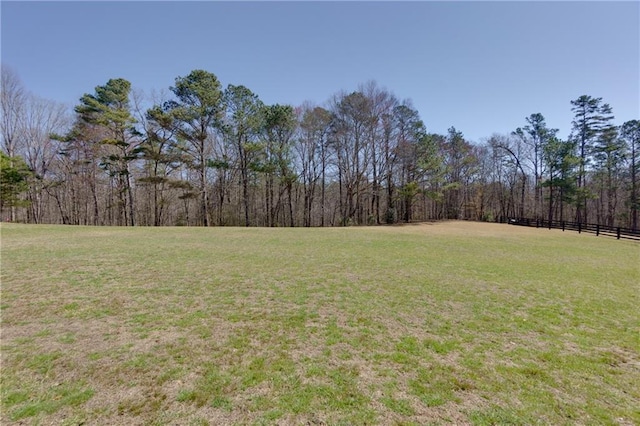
point(443, 323)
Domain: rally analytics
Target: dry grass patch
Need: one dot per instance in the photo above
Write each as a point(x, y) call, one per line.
point(439, 323)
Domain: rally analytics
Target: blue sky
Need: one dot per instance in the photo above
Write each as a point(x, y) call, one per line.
point(479, 66)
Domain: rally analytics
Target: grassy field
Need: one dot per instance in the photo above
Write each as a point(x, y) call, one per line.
point(455, 322)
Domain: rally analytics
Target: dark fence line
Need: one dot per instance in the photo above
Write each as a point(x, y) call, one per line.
point(609, 231)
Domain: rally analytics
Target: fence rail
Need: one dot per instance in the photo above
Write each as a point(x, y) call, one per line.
point(609, 231)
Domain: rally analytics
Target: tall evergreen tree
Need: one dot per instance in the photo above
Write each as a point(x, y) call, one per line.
point(161, 156)
point(459, 162)
point(630, 133)
point(592, 117)
point(536, 134)
point(197, 113)
point(279, 125)
point(109, 109)
point(14, 181)
point(561, 163)
point(408, 132)
point(609, 155)
point(243, 124)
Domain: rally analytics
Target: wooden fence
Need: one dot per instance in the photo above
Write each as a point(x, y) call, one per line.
point(609, 231)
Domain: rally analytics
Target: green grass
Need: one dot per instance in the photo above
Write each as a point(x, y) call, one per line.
point(429, 324)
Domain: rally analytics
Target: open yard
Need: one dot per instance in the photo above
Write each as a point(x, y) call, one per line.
point(442, 323)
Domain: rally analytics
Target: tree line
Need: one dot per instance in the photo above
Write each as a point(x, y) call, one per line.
point(205, 155)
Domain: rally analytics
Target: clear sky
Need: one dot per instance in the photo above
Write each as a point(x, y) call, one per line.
point(479, 66)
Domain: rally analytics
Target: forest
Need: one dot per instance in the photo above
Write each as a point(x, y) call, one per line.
point(201, 154)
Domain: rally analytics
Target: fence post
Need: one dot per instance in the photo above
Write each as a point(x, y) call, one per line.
point(550, 224)
point(537, 223)
point(597, 230)
point(563, 226)
point(579, 228)
point(618, 233)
